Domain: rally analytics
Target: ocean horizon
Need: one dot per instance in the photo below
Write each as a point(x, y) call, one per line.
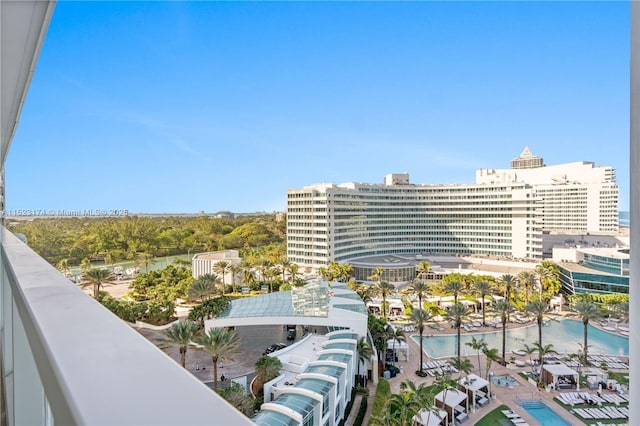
point(623, 218)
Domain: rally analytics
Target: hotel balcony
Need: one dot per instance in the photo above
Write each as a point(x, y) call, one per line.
point(64, 358)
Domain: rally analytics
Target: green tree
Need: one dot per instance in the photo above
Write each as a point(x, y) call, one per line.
point(384, 288)
point(587, 311)
point(293, 272)
point(145, 259)
point(503, 308)
point(63, 266)
point(96, 277)
point(221, 344)
point(483, 288)
point(180, 334)
point(491, 354)
point(221, 268)
point(538, 308)
point(236, 396)
point(463, 365)
point(527, 280)
point(477, 345)
point(457, 313)
point(419, 288)
point(364, 353)
point(530, 350)
point(235, 270)
point(377, 274)
point(85, 265)
point(203, 287)
point(543, 350)
point(267, 368)
point(423, 270)
point(454, 287)
point(420, 317)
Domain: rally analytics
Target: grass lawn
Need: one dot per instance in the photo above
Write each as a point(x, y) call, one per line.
point(493, 417)
point(620, 377)
point(590, 421)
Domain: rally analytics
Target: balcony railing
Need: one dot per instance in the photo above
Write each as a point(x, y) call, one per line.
point(67, 360)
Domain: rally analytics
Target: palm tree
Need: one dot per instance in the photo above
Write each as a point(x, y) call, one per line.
point(526, 279)
point(587, 310)
point(96, 277)
point(222, 344)
point(85, 265)
point(503, 308)
point(384, 288)
point(454, 287)
point(203, 287)
point(423, 270)
point(110, 258)
point(508, 281)
point(397, 336)
point(463, 365)
point(544, 275)
point(538, 308)
point(63, 266)
point(491, 354)
point(543, 351)
point(420, 316)
point(293, 272)
point(457, 313)
point(377, 274)
point(530, 350)
point(364, 353)
point(483, 288)
point(477, 345)
point(235, 270)
point(419, 288)
point(146, 259)
point(180, 334)
point(221, 268)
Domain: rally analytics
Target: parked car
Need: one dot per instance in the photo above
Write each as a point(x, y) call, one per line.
point(291, 332)
point(273, 348)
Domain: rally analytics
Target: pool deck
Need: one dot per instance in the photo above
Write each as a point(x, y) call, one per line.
point(503, 395)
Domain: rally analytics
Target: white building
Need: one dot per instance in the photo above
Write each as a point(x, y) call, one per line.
point(578, 197)
point(204, 263)
point(329, 222)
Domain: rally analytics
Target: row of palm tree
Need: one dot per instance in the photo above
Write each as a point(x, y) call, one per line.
point(221, 343)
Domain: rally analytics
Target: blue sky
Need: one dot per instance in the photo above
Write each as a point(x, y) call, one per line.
point(207, 106)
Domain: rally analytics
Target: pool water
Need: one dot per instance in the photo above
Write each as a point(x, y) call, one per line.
point(564, 335)
point(504, 380)
point(543, 414)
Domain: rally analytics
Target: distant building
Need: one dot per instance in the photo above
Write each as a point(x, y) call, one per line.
point(203, 263)
point(573, 197)
point(527, 160)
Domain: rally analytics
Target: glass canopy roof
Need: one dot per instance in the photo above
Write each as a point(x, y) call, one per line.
point(273, 418)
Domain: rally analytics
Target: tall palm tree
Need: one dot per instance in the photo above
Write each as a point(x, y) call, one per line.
point(491, 354)
point(364, 353)
point(85, 265)
point(508, 281)
point(235, 270)
point(503, 308)
point(463, 365)
point(587, 310)
point(293, 272)
point(527, 280)
point(221, 344)
point(419, 288)
point(530, 350)
point(420, 317)
point(457, 313)
point(538, 308)
point(544, 275)
point(96, 277)
point(384, 288)
point(543, 351)
point(483, 288)
point(63, 266)
point(454, 287)
point(221, 268)
point(180, 334)
point(478, 346)
point(377, 273)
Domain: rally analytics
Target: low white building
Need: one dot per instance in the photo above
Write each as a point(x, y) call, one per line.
point(204, 263)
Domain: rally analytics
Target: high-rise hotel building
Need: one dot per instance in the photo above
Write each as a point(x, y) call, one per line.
point(328, 222)
point(503, 214)
point(574, 197)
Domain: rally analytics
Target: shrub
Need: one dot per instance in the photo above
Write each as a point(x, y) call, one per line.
point(361, 412)
point(382, 395)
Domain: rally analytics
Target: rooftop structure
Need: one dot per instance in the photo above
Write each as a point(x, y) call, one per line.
point(204, 263)
point(527, 160)
point(593, 269)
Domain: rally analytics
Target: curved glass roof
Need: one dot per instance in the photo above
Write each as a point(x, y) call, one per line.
point(352, 336)
point(341, 345)
point(273, 418)
point(329, 370)
point(299, 403)
point(356, 307)
point(315, 385)
point(335, 357)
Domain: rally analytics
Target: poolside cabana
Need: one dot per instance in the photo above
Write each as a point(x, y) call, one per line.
point(560, 376)
point(395, 346)
point(453, 401)
point(433, 417)
point(477, 389)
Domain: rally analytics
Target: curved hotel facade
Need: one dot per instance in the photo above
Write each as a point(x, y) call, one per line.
point(329, 222)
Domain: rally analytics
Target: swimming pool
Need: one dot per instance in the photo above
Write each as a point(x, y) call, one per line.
point(504, 380)
point(543, 414)
point(564, 335)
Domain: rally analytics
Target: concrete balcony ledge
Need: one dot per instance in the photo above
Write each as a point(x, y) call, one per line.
point(94, 369)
